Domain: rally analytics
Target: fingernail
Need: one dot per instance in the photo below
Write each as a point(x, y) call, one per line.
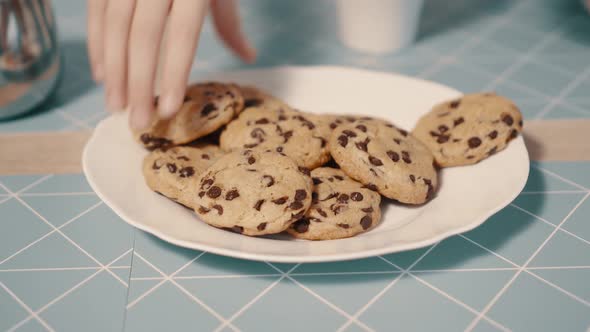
point(139, 120)
point(168, 105)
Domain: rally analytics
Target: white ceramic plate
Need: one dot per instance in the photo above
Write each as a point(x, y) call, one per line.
point(467, 196)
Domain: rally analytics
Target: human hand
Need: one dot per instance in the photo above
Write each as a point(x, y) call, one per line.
point(124, 41)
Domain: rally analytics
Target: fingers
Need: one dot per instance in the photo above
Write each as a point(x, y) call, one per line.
point(186, 20)
point(227, 23)
point(96, 15)
point(119, 14)
point(144, 44)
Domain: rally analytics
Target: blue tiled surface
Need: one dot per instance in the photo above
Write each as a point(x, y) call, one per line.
point(72, 262)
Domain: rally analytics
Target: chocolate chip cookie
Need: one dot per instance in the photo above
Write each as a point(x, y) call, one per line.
point(206, 108)
point(340, 208)
point(286, 131)
point(254, 97)
point(253, 192)
point(469, 129)
point(170, 172)
point(385, 159)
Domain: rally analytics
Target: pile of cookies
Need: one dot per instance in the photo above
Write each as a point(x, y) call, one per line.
point(245, 161)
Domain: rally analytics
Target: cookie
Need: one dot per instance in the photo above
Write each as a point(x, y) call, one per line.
point(469, 129)
point(206, 108)
point(254, 97)
point(285, 131)
point(170, 172)
point(385, 159)
point(340, 208)
point(253, 192)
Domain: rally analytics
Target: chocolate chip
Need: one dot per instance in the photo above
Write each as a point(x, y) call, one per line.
point(251, 160)
point(397, 140)
point(507, 119)
point(343, 140)
point(349, 133)
point(430, 191)
point(458, 121)
point(261, 226)
point(296, 205)
point(207, 109)
point(249, 146)
point(394, 156)
point(185, 158)
point(434, 133)
point(443, 128)
point(343, 198)
point(300, 194)
point(520, 123)
point(219, 208)
point(258, 204)
point(474, 142)
point(257, 133)
point(317, 181)
point(155, 165)
point(375, 161)
point(252, 102)
point(330, 196)
point(493, 151)
point(366, 222)
point(363, 145)
point(232, 194)
point(403, 132)
point(455, 140)
point(470, 157)
point(171, 167)
point(338, 177)
point(356, 196)
point(442, 139)
point(298, 215)
point(304, 170)
point(367, 210)
point(201, 194)
point(262, 121)
point(301, 226)
point(314, 197)
point(345, 226)
point(362, 128)
point(322, 212)
point(282, 117)
point(269, 180)
point(203, 210)
point(406, 157)
point(323, 141)
point(287, 135)
point(513, 134)
point(186, 172)
point(236, 229)
point(206, 183)
point(412, 178)
point(493, 134)
point(153, 143)
point(455, 103)
point(281, 200)
point(371, 186)
point(214, 192)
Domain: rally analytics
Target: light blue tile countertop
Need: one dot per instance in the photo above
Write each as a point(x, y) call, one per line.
point(68, 263)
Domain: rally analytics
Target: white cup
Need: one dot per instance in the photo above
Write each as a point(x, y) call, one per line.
point(378, 26)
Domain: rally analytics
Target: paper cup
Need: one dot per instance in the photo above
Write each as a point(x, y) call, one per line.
point(378, 26)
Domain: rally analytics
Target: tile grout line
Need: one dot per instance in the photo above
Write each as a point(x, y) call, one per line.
point(511, 281)
point(32, 314)
point(52, 231)
point(528, 271)
point(564, 92)
point(446, 295)
point(255, 299)
point(182, 289)
point(124, 325)
point(559, 177)
point(385, 289)
point(66, 293)
point(82, 193)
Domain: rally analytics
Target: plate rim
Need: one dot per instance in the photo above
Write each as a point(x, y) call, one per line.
point(276, 258)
